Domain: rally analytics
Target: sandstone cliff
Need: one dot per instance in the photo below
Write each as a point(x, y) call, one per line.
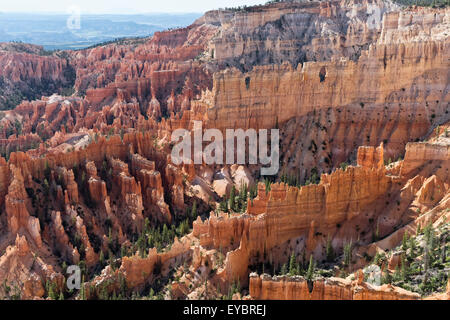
point(285, 288)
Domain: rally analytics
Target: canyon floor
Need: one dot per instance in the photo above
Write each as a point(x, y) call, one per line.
point(359, 210)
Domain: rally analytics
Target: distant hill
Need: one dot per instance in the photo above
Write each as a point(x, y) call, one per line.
point(51, 31)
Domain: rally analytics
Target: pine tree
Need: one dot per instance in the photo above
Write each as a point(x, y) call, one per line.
point(110, 236)
point(311, 267)
point(284, 270)
point(123, 251)
point(111, 260)
point(412, 247)
point(443, 253)
point(426, 263)
point(377, 259)
point(51, 291)
point(122, 134)
point(82, 290)
point(64, 267)
point(267, 183)
point(123, 284)
point(292, 265)
point(194, 210)
point(405, 241)
point(146, 228)
point(387, 277)
point(304, 260)
point(151, 295)
point(397, 275)
point(405, 270)
point(223, 206)
point(348, 254)
point(232, 198)
point(165, 234)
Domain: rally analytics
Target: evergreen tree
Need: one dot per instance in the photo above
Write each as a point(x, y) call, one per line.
point(194, 210)
point(151, 294)
point(111, 260)
point(397, 275)
point(405, 270)
point(284, 270)
point(418, 231)
point(412, 246)
point(443, 253)
point(426, 263)
point(123, 251)
point(51, 291)
point(267, 184)
point(232, 198)
point(311, 267)
point(405, 241)
point(165, 234)
point(64, 267)
point(387, 279)
point(82, 290)
point(377, 231)
point(348, 253)
point(223, 206)
point(146, 228)
point(377, 259)
point(292, 265)
point(123, 284)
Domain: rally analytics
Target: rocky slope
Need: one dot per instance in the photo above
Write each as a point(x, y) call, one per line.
point(266, 288)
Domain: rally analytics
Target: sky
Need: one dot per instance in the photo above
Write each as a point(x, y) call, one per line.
point(121, 6)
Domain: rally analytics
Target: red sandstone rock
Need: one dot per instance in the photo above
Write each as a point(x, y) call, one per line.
point(285, 288)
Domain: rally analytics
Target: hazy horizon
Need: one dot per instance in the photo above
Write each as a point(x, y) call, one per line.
point(56, 31)
point(130, 7)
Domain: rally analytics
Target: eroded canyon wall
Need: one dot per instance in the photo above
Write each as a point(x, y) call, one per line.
point(285, 288)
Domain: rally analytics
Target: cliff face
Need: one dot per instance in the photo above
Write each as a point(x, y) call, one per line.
point(294, 32)
point(265, 90)
point(26, 271)
point(349, 204)
point(393, 67)
point(17, 215)
point(418, 154)
point(94, 201)
point(26, 73)
point(162, 70)
point(306, 67)
point(341, 201)
point(284, 288)
point(327, 105)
